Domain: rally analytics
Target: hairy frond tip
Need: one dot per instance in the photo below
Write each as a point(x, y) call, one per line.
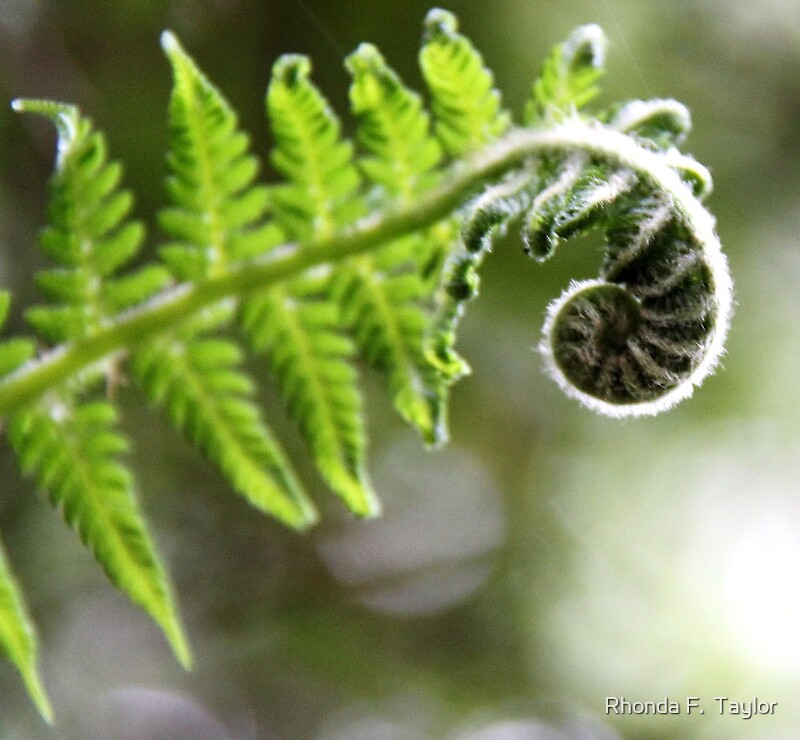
point(439, 21)
point(586, 47)
point(665, 121)
point(641, 337)
point(290, 68)
point(366, 58)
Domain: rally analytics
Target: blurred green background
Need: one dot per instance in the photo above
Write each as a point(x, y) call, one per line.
point(547, 558)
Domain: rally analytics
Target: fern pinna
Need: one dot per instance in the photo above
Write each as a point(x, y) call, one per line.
point(369, 248)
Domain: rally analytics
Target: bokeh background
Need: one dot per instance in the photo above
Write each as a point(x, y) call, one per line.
point(543, 561)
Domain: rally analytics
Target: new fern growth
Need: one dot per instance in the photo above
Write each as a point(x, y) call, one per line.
point(368, 248)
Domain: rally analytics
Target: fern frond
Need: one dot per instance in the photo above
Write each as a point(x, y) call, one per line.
point(89, 237)
point(384, 295)
point(200, 380)
point(317, 163)
point(569, 77)
point(468, 112)
point(217, 217)
point(217, 213)
point(73, 452)
point(18, 639)
point(393, 127)
point(299, 325)
point(70, 446)
point(389, 321)
point(465, 103)
point(310, 358)
point(17, 635)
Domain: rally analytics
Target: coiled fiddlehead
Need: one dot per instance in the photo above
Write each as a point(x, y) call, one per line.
point(639, 338)
point(651, 327)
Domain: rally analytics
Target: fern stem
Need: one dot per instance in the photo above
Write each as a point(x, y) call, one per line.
point(465, 177)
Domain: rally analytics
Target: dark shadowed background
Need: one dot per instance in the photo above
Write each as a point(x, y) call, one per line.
point(547, 558)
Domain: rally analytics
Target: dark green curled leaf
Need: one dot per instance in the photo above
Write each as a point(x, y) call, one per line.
point(576, 200)
point(492, 210)
point(484, 218)
point(636, 340)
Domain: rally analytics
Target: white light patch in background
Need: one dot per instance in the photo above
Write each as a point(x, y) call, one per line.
point(680, 568)
point(762, 591)
point(433, 547)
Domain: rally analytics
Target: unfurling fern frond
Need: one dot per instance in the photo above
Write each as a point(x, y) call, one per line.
point(372, 251)
point(638, 339)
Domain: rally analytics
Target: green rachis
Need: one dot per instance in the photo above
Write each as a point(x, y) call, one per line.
point(369, 248)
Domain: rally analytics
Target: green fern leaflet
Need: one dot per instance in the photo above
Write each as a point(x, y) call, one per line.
point(365, 252)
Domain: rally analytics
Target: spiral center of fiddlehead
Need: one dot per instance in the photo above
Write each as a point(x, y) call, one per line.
point(617, 318)
point(600, 320)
